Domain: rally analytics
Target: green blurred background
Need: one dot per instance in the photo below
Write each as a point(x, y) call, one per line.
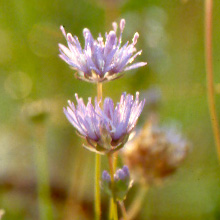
point(35, 85)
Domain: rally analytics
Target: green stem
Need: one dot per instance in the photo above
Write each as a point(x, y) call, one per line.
point(113, 207)
point(43, 185)
point(137, 203)
point(111, 211)
point(98, 168)
point(209, 71)
point(97, 188)
point(115, 211)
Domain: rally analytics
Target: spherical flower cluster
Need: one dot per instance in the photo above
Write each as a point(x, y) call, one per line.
point(155, 153)
point(100, 61)
point(107, 129)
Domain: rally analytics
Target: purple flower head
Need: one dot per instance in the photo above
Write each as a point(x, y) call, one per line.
point(106, 129)
point(100, 61)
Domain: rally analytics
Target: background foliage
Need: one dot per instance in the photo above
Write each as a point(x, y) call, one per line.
point(33, 80)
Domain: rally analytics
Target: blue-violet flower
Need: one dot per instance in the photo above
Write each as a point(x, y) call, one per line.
point(100, 61)
point(107, 129)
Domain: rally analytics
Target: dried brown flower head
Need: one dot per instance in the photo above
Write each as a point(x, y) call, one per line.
point(155, 153)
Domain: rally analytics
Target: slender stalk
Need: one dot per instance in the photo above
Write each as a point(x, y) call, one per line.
point(137, 203)
point(209, 72)
point(115, 161)
point(99, 91)
point(123, 210)
point(43, 185)
point(113, 209)
point(111, 13)
point(77, 189)
point(98, 169)
point(97, 187)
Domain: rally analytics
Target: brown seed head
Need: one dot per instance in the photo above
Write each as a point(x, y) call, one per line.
point(155, 153)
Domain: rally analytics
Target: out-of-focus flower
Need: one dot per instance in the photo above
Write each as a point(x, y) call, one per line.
point(37, 111)
point(100, 61)
point(122, 183)
point(106, 130)
point(155, 153)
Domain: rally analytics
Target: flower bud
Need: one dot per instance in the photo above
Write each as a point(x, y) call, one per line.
point(117, 189)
